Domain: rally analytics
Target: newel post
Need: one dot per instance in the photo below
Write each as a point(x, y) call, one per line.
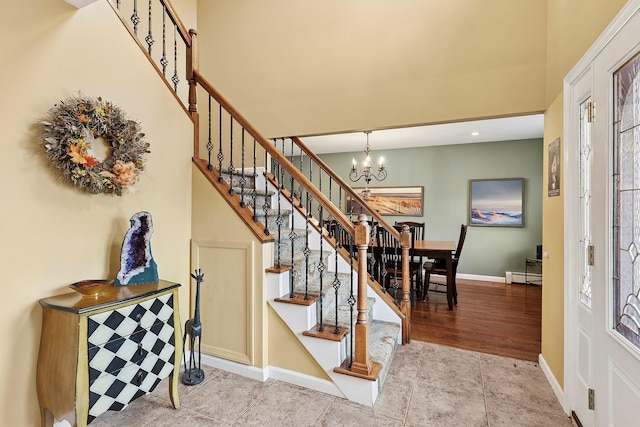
point(361, 361)
point(405, 304)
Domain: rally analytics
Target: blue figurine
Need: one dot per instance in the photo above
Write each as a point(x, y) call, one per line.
point(136, 262)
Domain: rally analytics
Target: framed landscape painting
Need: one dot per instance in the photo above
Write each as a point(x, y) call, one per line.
point(398, 201)
point(496, 202)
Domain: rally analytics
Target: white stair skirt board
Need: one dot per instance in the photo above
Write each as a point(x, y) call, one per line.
point(280, 374)
point(329, 354)
point(555, 386)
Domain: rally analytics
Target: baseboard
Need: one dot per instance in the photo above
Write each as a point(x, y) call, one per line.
point(234, 367)
point(280, 374)
point(481, 278)
point(555, 386)
point(303, 380)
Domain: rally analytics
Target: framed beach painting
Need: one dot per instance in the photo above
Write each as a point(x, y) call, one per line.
point(399, 201)
point(496, 202)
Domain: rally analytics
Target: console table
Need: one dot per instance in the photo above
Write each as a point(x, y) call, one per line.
point(100, 353)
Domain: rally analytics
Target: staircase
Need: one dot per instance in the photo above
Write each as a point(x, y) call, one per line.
point(327, 281)
point(327, 298)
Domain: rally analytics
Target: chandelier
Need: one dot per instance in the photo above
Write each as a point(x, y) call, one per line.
point(366, 171)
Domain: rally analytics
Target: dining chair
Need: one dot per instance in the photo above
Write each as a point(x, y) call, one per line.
point(389, 260)
point(417, 229)
point(438, 267)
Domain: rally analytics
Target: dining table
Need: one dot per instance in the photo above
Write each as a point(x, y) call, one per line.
point(434, 249)
point(440, 249)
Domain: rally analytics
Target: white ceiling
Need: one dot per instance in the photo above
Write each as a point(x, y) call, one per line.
point(505, 129)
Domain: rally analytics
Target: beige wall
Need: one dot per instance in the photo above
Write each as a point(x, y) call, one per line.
point(52, 234)
point(553, 245)
point(297, 68)
point(572, 27)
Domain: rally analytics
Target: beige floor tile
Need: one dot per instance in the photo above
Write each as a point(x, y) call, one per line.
point(286, 405)
point(405, 360)
point(225, 397)
point(393, 401)
point(343, 413)
point(504, 414)
point(433, 406)
point(527, 388)
point(448, 367)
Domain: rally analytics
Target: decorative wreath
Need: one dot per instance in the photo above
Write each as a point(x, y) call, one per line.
point(70, 128)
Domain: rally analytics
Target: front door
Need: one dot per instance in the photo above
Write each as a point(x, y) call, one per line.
point(602, 219)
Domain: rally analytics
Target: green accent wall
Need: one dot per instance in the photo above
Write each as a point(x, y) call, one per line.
point(444, 171)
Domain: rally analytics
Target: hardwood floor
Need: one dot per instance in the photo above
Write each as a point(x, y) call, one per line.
point(496, 318)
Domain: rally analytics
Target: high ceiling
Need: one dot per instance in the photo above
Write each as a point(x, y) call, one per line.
point(504, 129)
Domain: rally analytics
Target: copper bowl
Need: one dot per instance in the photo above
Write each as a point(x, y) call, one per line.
point(91, 287)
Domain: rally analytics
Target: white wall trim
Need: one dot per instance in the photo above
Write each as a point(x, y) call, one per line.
point(555, 385)
point(481, 278)
point(273, 372)
point(235, 368)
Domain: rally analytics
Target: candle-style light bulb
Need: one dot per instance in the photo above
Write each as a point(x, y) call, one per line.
point(381, 161)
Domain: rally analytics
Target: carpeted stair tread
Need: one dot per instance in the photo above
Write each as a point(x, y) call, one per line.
point(383, 337)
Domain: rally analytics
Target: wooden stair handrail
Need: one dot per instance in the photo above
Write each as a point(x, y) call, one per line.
point(297, 175)
point(173, 15)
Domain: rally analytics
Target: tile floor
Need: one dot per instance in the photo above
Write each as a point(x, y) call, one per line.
point(428, 385)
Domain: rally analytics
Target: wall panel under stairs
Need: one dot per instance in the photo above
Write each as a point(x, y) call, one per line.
point(214, 221)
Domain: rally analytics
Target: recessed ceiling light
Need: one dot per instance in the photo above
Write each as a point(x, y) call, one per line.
point(475, 133)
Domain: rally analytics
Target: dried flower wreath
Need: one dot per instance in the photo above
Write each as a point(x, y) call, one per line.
point(70, 128)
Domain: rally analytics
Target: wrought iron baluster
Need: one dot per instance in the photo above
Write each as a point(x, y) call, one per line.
point(293, 191)
point(321, 265)
point(243, 181)
point(292, 238)
point(209, 142)
point(279, 225)
point(265, 206)
point(149, 38)
point(231, 170)
point(175, 79)
point(135, 19)
point(274, 167)
point(300, 189)
point(164, 61)
point(336, 280)
point(383, 267)
point(395, 285)
point(254, 192)
point(118, 4)
point(283, 153)
point(307, 251)
point(220, 154)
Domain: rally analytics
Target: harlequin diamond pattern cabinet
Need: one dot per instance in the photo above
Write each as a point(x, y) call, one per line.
point(101, 353)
